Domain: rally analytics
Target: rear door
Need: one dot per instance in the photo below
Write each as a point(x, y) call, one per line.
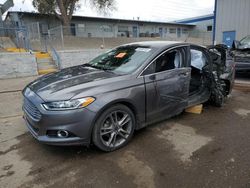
point(167, 84)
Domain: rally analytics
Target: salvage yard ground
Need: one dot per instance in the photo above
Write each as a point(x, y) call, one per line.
point(207, 150)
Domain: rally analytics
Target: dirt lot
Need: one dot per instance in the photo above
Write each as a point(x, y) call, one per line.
point(207, 150)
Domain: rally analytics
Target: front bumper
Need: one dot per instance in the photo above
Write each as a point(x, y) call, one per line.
point(78, 123)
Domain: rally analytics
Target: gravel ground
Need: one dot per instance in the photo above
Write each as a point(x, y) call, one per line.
point(207, 150)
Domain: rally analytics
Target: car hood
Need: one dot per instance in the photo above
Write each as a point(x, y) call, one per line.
point(244, 47)
point(65, 84)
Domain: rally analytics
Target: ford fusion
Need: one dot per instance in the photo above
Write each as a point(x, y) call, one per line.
point(104, 101)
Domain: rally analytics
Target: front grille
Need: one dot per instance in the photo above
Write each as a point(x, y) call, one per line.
point(242, 59)
point(31, 109)
point(34, 129)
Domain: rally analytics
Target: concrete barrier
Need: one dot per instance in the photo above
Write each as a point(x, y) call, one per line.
point(71, 58)
point(13, 65)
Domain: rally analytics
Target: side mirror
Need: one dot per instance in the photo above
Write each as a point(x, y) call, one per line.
point(235, 44)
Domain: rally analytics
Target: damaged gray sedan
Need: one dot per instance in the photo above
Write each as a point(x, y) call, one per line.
point(104, 101)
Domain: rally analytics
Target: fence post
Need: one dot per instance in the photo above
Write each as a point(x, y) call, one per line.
point(17, 39)
point(38, 30)
point(49, 33)
point(203, 38)
point(27, 41)
point(103, 40)
point(45, 43)
point(62, 37)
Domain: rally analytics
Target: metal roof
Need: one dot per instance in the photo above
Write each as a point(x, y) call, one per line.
point(75, 17)
point(196, 19)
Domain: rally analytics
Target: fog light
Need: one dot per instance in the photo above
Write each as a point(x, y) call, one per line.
point(62, 134)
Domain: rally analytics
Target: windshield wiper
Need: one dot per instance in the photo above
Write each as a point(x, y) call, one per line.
point(100, 68)
point(92, 66)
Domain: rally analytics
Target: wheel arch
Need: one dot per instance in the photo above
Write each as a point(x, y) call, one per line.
point(124, 102)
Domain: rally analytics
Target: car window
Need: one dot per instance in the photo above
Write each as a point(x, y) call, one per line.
point(168, 61)
point(245, 42)
point(122, 60)
point(198, 59)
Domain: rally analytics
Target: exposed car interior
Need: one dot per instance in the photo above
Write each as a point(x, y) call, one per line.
point(174, 59)
point(198, 61)
point(167, 61)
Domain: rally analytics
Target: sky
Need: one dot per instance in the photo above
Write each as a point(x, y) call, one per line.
point(151, 10)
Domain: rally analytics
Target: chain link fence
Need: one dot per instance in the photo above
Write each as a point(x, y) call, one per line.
point(14, 37)
point(37, 38)
point(29, 37)
point(83, 36)
point(200, 37)
point(56, 37)
point(77, 37)
point(34, 31)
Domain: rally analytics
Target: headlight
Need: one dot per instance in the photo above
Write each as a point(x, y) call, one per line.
point(69, 105)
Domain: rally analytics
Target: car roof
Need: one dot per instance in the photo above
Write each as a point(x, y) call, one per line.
point(161, 44)
point(155, 44)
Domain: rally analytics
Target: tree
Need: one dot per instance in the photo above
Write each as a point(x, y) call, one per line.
point(64, 9)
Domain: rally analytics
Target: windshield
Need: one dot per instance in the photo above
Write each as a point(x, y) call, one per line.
point(122, 60)
point(245, 42)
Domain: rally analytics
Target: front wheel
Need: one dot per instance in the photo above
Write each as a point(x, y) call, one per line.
point(114, 128)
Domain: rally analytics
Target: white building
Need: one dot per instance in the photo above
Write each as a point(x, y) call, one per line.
point(203, 23)
point(82, 26)
point(232, 20)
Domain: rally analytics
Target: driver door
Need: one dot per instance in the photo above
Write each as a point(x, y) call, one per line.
point(167, 81)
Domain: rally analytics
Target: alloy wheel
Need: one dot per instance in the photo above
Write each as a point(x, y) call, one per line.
point(116, 128)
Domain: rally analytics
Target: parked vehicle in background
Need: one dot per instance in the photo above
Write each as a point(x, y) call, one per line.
point(104, 101)
point(241, 53)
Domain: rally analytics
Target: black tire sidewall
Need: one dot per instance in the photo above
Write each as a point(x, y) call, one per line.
point(219, 100)
point(96, 138)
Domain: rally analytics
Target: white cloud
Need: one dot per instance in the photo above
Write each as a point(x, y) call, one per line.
point(23, 5)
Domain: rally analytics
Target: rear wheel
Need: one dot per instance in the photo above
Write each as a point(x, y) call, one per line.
point(114, 128)
point(219, 99)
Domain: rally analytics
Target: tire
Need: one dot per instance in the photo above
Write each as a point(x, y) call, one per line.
point(219, 100)
point(114, 128)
